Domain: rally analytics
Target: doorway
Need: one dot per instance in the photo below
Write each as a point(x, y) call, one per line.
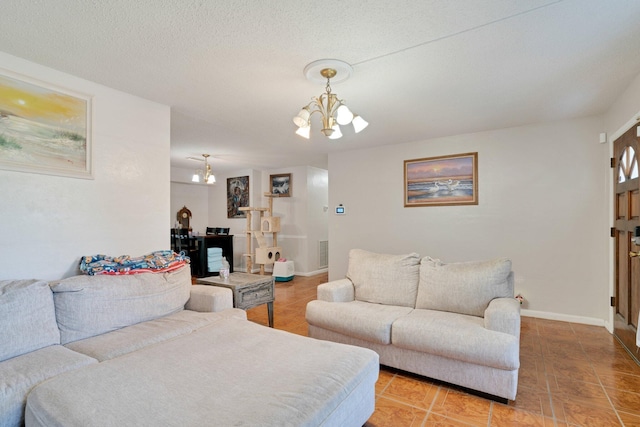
point(627, 254)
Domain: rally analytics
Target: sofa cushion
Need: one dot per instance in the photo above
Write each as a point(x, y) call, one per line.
point(27, 317)
point(20, 374)
point(464, 287)
point(370, 322)
point(384, 279)
point(91, 305)
point(233, 372)
point(122, 341)
point(456, 336)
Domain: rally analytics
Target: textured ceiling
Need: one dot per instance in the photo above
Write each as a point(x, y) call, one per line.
point(232, 70)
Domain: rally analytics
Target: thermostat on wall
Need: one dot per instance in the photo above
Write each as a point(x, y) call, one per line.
point(340, 210)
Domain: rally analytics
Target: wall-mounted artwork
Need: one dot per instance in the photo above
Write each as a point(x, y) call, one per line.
point(281, 184)
point(237, 196)
point(43, 128)
point(444, 180)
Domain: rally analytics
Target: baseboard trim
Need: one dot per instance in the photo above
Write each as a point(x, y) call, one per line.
point(563, 317)
point(297, 273)
point(313, 273)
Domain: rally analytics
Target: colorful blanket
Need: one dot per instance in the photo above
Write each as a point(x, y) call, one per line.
point(155, 262)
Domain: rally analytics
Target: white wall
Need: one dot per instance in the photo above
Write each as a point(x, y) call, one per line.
point(625, 110)
point(543, 202)
point(317, 214)
point(292, 211)
point(303, 221)
point(49, 222)
point(196, 199)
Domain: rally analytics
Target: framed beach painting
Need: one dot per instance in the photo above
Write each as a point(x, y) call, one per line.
point(237, 196)
point(281, 184)
point(441, 181)
point(44, 128)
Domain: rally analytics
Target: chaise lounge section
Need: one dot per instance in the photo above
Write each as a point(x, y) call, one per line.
point(456, 323)
point(151, 349)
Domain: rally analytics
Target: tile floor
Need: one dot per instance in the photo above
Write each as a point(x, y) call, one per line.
point(570, 375)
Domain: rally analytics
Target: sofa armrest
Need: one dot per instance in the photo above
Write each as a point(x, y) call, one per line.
point(503, 315)
point(206, 298)
point(337, 291)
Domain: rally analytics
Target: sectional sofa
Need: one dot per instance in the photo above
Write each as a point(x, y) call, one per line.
point(457, 322)
point(151, 349)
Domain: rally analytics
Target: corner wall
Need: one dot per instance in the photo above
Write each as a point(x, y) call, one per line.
point(49, 222)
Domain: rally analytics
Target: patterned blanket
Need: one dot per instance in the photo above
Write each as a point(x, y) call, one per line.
point(155, 262)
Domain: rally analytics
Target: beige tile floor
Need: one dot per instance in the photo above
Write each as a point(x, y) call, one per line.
point(570, 375)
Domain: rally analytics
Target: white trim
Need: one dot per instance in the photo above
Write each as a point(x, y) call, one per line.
point(313, 273)
point(625, 127)
point(307, 274)
point(563, 317)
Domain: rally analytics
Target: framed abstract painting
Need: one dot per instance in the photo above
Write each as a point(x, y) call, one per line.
point(237, 196)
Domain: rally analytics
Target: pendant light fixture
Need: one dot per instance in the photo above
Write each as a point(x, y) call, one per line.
point(333, 110)
point(205, 174)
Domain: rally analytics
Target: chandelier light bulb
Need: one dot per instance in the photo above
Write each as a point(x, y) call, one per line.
point(304, 131)
point(359, 123)
point(336, 132)
point(195, 177)
point(343, 115)
point(302, 119)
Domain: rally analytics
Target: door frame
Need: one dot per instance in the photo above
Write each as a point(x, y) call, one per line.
point(635, 121)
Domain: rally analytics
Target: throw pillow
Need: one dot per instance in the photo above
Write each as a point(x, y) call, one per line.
point(27, 317)
point(384, 279)
point(464, 287)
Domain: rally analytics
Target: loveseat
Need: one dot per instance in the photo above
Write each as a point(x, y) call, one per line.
point(456, 323)
point(151, 349)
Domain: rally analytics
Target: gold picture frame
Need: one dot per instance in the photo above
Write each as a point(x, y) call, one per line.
point(441, 181)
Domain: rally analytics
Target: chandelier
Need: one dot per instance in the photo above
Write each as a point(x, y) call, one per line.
point(206, 174)
point(333, 110)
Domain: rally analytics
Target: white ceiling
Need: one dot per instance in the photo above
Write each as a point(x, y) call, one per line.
point(232, 70)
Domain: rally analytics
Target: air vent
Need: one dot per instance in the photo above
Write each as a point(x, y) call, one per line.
point(323, 254)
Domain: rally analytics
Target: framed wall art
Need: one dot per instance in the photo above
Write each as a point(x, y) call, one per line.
point(44, 128)
point(281, 184)
point(440, 181)
point(237, 196)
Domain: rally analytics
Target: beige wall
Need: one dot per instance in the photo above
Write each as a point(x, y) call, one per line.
point(543, 202)
point(49, 222)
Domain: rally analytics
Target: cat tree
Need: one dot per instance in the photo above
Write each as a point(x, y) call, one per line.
point(265, 254)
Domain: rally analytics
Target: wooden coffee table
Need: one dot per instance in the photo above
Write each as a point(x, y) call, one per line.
point(249, 290)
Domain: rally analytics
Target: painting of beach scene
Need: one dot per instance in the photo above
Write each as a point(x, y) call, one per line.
point(444, 180)
point(43, 129)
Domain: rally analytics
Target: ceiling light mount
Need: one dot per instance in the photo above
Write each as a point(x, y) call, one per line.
point(206, 174)
point(333, 110)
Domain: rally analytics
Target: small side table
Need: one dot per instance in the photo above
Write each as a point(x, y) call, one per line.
point(249, 290)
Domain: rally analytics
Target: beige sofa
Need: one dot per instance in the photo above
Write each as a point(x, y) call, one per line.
point(457, 323)
point(151, 349)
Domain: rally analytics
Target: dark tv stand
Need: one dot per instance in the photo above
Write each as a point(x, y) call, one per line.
point(225, 242)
